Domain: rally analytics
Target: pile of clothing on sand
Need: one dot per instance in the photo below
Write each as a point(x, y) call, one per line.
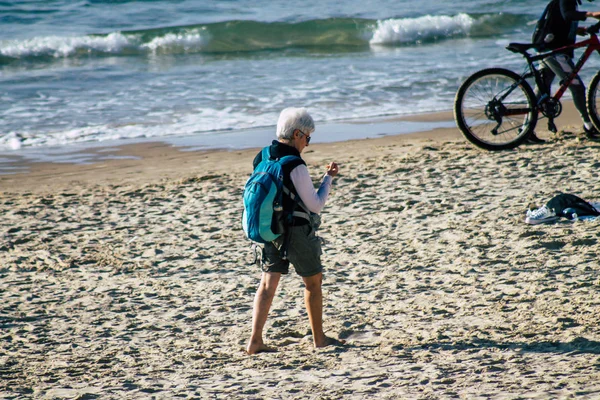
point(563, 205)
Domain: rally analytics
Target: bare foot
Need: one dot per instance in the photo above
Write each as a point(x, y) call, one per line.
point(327, 341)
point(254, 348)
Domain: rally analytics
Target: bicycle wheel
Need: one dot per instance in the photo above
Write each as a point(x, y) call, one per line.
point(495, 109)
point(592, 100)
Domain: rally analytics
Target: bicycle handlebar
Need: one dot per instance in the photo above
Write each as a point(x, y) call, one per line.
point(594, 29)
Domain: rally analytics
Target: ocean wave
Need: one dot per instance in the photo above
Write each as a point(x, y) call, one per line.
point(62, 47)
point(427, 28)
point(192, 41)
point(330, 34)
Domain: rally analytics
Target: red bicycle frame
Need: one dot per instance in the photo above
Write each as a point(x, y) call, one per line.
point(592, 44)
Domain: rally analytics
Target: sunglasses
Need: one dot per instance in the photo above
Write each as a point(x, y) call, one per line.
point(306, 136)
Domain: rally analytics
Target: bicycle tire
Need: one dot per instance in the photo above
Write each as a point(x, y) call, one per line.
point(593, 94)
point(483, 107)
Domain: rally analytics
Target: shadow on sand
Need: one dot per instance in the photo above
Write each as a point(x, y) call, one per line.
point(578, 345)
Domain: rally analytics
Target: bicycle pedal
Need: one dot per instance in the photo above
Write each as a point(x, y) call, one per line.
point(552, 127)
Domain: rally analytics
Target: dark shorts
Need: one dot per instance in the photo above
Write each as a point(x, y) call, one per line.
point(304, 253)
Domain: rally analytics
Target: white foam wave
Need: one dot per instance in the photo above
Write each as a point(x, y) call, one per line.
point(58, 46)
point(114, 43)
point(11, 141)
point(189, 41)
point(204, 121)
point(209, 123)
point(410, 30)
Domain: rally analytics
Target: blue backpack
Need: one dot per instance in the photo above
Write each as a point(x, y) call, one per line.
point(262, 219)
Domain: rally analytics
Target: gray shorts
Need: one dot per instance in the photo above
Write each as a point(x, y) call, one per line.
point(304, 252)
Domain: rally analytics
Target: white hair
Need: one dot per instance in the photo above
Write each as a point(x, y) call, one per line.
point(293, 118)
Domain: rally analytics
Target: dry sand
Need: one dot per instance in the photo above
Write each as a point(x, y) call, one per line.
point(130, 279)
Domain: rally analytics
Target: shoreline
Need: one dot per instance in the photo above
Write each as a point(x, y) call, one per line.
point(153, 159)
point(330, 131)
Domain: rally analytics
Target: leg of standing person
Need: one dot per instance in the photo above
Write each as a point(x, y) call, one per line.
point(562, 65)
point(313, 299)
point(262, 305)
point(547, 78)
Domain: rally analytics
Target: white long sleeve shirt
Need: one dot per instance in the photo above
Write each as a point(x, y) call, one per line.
point(313, 199)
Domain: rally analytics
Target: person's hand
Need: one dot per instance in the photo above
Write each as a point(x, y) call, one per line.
point(593, 14)
point(332, 169)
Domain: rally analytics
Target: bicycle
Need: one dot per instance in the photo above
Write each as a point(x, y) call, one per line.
point(497, 109)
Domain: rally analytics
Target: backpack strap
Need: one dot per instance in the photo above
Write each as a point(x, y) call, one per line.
point(266, 154)
point(296, 200)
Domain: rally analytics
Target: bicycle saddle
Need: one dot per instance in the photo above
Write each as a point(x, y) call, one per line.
point(520, 47)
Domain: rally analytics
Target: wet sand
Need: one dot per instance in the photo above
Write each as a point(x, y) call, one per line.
point(132, 279)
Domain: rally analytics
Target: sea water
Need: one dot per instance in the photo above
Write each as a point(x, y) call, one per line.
point(96, 71)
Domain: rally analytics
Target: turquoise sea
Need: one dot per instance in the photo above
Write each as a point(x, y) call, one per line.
point(78, 72)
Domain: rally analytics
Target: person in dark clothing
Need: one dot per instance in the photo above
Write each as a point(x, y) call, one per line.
point(564, 28)
point(294, 130)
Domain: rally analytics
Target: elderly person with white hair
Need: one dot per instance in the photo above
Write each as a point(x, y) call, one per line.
point(302, 246)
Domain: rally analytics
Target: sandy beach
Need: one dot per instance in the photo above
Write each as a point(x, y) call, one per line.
point(132, 278)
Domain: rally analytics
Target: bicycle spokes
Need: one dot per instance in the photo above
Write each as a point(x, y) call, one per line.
point(495, 109)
